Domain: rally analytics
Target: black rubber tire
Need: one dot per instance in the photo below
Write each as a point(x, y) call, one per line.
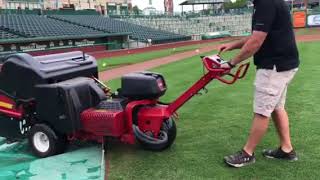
point(57, 143)
point(169, 126)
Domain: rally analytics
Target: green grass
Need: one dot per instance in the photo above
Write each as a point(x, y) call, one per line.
point(217, 124)
point(114, 62)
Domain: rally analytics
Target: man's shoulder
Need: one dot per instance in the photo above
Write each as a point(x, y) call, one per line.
point(268, 2)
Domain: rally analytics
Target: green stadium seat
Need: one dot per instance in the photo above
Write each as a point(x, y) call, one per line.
point(41, 26)
point(110, 25)
point(7, 35)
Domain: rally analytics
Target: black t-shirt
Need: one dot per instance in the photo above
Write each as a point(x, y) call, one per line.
point(279, 49)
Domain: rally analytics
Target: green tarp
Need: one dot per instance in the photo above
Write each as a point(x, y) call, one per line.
point(214, 35)
point(82, 161)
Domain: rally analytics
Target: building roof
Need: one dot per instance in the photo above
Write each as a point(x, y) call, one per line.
point(194, 2)
point(22, 1)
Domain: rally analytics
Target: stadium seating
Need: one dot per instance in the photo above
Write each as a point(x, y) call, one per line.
point(40, 26)
point(236, 24)
point(7, 35)
point(110, 25)
point(71, 12)
point(159, 29)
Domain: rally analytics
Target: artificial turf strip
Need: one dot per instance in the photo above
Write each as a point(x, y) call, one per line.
point(114, 62)
point(216, 124)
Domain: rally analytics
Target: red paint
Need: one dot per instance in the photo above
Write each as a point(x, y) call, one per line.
point(15, 112)
point(6, 99)
point(238, 75)
point(214, 72)
point(150, 118)
point(103, 122)
point(11, 113)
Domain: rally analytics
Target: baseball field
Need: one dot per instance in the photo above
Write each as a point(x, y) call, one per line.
point(217, 123)
point(210, 126)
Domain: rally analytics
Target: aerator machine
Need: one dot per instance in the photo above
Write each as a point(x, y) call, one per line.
point(55, 99)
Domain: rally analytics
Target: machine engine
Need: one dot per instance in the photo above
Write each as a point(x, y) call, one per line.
point(143, 85)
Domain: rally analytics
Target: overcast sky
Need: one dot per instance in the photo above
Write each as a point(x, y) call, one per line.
point(158, 4)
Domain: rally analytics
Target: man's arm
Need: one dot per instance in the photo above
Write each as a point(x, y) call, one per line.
point(233, 45)
point(240, 43)
point(264, 17)
point(250, 47)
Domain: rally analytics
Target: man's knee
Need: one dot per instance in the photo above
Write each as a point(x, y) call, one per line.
point(279, 110)
point(260, 116)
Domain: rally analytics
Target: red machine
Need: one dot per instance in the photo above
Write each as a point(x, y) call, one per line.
point(64, 107)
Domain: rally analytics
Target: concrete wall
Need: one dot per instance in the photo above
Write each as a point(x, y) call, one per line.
point(99, 5)
point(91, 4)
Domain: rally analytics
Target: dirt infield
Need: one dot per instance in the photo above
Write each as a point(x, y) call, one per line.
point(114, 73)
point(106, 54)
point(117, 72)
point(308, 38)
point(307, 31)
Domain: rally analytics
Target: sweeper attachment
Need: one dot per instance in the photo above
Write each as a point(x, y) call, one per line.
point(55, 99)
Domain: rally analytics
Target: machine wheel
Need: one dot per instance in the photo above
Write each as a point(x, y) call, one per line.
point(45, 142)
point(165, 139)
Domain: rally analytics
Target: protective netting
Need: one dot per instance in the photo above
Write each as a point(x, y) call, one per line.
point(81, 161)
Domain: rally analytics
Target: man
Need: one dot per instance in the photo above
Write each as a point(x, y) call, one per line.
point(276, 56)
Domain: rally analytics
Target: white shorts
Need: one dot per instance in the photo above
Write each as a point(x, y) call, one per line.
point(271, 90)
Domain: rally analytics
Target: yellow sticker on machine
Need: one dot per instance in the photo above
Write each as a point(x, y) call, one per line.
point(6, 105)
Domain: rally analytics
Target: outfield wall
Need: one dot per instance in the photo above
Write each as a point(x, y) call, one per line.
point(313, 20)
point(87, 49)
point(302, 19)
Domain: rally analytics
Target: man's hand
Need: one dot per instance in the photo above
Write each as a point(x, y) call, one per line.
point(227, 65)
point(233, 45)
point(225, 47)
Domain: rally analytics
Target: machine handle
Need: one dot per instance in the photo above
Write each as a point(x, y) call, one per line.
point(241, 73)
point(211, 68)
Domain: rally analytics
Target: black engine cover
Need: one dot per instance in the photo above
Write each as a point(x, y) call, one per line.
point(143, 85)
point(22, 72)
point(60, 104)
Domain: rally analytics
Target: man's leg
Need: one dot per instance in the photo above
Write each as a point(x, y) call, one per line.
point(281, 121)
point(245, 156)
point(266, 97)
point(285, 151)
point(259, 127)
point(269, 86)
point(264, 104)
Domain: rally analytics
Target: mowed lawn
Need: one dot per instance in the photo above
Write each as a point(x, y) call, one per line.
point(216, 124)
